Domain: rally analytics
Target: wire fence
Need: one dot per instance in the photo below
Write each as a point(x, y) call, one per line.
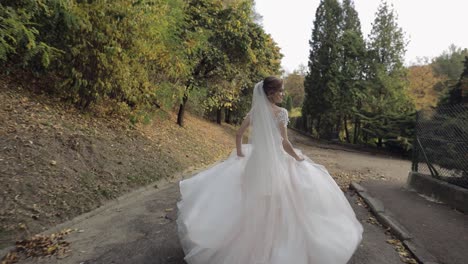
point(440, 147)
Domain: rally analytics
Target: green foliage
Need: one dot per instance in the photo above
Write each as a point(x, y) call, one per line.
point(21, 42)
point(294, 86)
point(289, 103)
point(353, 85)
point(396, 129)
point(386, 83)
point(387, 44)
point(231, 53)
point(125, 51)
point(450, 62)
point(322, 82)
point(459, 92)
point(353, 67)
point(137, 55)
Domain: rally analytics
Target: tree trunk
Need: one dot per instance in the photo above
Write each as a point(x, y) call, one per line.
point(345, 123)
point(219, 112)
point(336, 133)
point(356, 130)
point(227, 115)
point(379, 142)
point(318, 125)
point(180, 114)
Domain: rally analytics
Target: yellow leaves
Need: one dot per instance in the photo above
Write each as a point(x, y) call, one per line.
point(51, 249)
point(10, 258)
point(393, 241)
point(405, 255)
point(372, 220)
point(422, 81)
point(39, 246)
point(361, 202)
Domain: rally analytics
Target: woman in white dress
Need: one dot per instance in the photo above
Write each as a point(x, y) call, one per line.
point(267, 203)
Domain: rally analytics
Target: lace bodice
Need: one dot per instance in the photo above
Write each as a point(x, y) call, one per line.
point(281, 117)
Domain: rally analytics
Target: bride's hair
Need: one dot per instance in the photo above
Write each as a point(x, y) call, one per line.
point(272, 84)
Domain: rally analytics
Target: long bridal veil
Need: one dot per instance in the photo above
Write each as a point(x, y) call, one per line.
point(264, 164)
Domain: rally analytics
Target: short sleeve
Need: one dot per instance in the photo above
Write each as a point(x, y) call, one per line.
point(283, 118)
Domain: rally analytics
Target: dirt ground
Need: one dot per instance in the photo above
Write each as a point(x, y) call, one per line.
point(57, 162)
point(346, 165)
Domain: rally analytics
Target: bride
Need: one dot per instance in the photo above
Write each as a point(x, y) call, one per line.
point(267, 203)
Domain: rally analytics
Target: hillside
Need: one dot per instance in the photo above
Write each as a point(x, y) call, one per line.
point(57, 163)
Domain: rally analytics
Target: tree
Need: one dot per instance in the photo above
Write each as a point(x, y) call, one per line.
point(450, 62)
point(422, 80)
point(128, 51)
point(322, 81)
point(211, 25)
point(447, 67)
point(353, 63)
point(229, 54)
point(387, 98)
point(139, 54)
point(199, 19)
point(294, 86)
point(24, 39)
point(288, 104)
point(266, 62)
point(459, 92)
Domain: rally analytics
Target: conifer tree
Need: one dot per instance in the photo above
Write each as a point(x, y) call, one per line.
point(459, 92)
point(386, 96)
point(322, 81)
point(352, 71)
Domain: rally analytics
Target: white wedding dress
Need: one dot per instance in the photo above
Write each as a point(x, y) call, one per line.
point(266, 207)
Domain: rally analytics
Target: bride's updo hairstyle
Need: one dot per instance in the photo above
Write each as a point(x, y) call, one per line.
point(271, 85)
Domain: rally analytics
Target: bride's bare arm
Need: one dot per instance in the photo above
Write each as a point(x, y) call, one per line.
point(245, 124)
point(287, 146)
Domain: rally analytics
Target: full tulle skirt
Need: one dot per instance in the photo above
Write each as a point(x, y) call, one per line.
point(306, 219)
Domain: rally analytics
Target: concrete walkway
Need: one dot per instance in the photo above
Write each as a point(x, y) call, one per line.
point(141, 229)
point(441, 231)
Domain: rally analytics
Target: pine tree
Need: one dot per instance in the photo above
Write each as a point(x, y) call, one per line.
point(459, 92)
point(387, 41)
point(386, 98)
point(352, 70)
point(322, 82)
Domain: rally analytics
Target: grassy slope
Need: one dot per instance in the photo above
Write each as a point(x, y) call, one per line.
point(56, 163)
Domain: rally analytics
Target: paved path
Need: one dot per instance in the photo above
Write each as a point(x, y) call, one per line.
point(142, 229)
point(439, 229)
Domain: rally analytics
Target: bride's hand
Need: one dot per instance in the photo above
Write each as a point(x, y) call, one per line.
point(300, 158)
point(240, 155)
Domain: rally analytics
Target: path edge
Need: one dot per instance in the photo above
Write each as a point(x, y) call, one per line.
point(386, 218)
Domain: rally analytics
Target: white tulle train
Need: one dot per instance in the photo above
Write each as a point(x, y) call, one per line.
point(306, 219)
